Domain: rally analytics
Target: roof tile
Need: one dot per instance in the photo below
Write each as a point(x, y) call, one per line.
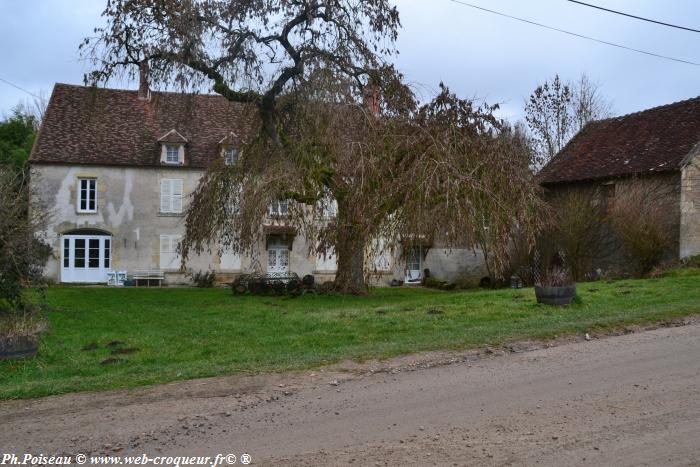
point(653, 140)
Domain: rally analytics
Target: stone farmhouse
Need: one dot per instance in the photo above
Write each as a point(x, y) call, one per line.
point(659, 147)
point(115, 169)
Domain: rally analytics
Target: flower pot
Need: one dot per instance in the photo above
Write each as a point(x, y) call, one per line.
point(555, 295)
point(18, 347)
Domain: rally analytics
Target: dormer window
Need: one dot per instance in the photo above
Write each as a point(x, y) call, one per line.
point(230, 156)
point(171, 154)
point(172, 148)
point(228, 145)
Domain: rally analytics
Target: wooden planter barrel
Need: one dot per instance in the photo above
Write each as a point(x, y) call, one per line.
point(555, 295)
point(18, 347)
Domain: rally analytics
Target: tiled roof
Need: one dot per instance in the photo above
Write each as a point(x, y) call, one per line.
point(654, 140)
point(85, 125)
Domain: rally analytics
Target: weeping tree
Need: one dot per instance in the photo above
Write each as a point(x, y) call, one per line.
point(413, 173)
point(337, 126)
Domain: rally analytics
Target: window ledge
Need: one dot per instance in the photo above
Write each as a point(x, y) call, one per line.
point(171, 214)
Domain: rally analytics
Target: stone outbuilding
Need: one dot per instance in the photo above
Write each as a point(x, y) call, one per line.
point(658, 148)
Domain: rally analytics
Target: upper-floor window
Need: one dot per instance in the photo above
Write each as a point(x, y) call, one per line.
point(87, 195)
point(172, 148)
point(172, 154)
point(278, 208)
point(230, 156)
point(328, 208)
point(171, 195)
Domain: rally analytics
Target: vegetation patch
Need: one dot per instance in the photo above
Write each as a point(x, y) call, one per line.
point(179, 338)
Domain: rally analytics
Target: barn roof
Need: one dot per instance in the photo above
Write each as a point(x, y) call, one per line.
point(654, 140)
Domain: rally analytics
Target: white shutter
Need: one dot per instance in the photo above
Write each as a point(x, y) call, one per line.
point(165, 256)
point(176, 193)
point(171, 192)
point(381, 256)
point(165, 196)
point(169, 259)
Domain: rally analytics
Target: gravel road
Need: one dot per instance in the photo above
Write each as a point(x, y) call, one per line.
point(632, 399)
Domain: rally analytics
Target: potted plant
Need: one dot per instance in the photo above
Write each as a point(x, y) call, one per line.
point(555, 287)
point(20, 332)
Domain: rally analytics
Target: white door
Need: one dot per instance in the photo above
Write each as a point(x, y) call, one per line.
point(85, 258)
point(278, 260)
point(414, 263)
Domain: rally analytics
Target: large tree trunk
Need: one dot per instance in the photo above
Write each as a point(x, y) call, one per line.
point(350, 277)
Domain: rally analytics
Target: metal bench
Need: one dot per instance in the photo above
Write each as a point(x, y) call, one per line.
point(148, 275)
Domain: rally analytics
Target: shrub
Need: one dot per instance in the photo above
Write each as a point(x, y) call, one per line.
point(577, 232)
point(434, 283)
point(555, 277)
point(204, 279)
point(691, 262)
point(640, 218)
point(22, 256)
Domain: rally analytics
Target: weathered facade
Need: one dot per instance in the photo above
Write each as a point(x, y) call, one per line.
point(658, 150)
point(115, 169)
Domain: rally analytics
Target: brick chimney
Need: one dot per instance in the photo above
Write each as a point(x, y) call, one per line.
point(144, 92)
point(371, 98)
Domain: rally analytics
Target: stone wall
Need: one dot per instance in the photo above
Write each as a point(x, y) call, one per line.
point(128, 208)
point(610, 256)
point(690, 208)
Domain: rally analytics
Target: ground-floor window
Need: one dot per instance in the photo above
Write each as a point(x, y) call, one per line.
point(382, 256)
point(414, 264)
point(169, 257)
point(277, 256)
point(327, 262)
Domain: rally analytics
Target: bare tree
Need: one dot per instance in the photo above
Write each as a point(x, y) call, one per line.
point(588, 103)
point(442, 171)
point(398, 172)
point(246, 51)
point(35, 108)
point(556, 111)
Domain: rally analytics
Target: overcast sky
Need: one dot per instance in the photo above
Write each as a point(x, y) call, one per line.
point(478, 54)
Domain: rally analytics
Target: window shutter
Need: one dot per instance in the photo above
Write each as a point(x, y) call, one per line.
point(165, 257)
point(165, 196)
point(176, 193)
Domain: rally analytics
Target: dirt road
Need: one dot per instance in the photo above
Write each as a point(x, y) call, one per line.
point(625, 400)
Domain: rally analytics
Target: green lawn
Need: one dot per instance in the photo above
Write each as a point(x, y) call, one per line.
point(189, 333)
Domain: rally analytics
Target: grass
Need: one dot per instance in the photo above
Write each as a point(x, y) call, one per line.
point(161, 335)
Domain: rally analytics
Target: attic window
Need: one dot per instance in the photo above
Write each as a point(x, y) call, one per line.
point(172, 148)
point(171, 154)
point(230, 156)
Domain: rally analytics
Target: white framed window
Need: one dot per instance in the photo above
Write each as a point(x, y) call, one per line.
point(328, 208)
point(87, 195)
point(382, 256)
point(278, 208)
point(171, 195)
point(230, 260)
point(327, 262)
point(172, 154)
point(169, 257)
point(230, 156)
